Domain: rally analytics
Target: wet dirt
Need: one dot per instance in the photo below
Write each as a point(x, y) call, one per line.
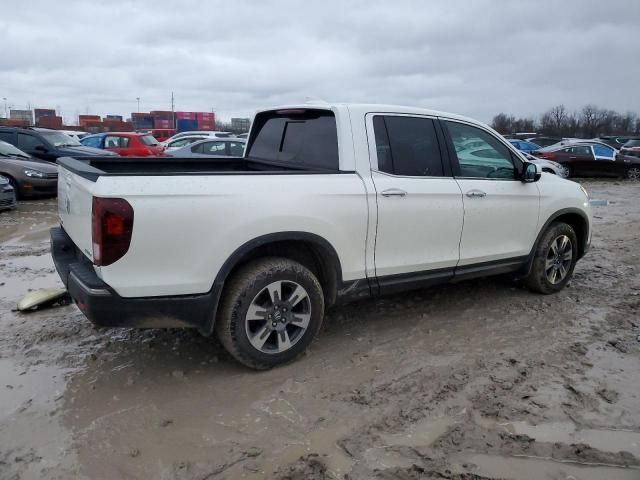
point(477, 380)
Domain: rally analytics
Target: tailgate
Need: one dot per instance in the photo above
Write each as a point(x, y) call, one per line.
point(74, 208)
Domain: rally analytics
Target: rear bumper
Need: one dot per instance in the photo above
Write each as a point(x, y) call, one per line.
point(105, 308)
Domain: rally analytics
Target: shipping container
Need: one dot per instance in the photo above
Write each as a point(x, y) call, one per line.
point(43, 112)
point(186, 125)
point(162, 124)
point(202, 125)
point(49, 122)
point(21, 115)
point(186, 116)
point(209, 117)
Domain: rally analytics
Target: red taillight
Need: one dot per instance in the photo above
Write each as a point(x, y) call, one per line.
point(112, 225)
point(549, 156)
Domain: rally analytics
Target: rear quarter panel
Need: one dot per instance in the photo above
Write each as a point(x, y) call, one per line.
point(186, 227)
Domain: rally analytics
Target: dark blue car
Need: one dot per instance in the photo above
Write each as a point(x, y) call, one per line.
point(524, 146)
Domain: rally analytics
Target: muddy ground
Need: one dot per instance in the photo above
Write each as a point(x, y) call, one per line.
point(469, 381)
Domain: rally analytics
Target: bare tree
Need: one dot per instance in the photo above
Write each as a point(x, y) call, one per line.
point(503, 123)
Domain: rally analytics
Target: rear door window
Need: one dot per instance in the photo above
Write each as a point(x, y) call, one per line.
point(407, 146)
point(302, 137)
point(214, 148)
point(236, 149)
point(149, 140)
point(7, 137)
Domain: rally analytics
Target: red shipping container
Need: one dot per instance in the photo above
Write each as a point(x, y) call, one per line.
point(206, 125)
point(162, 124)
point(206, 116)
point(186, 115)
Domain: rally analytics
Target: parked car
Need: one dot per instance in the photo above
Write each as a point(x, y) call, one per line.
point(616, 142)
point(181, 142)
point(204, 133)
point(161, 134)
point(631, 148)
point(548, 165)
point(28, 178)
point(544, 141)
point(229, 147)
point(125, 144)
point(45, 144)
point(329, 204)
point(524, 145)
point(75, 134)
point(7, 194)
point(242, 135)
point(589, 159)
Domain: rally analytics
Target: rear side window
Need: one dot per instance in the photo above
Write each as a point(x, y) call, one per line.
point(236, 149)
point(407, 146)
point(149, 140)
point(307, 138)
point(116, 141)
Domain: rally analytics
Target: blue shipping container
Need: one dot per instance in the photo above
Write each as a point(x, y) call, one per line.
point(184, 125)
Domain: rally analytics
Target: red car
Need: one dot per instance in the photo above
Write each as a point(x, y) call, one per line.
point(126, 144)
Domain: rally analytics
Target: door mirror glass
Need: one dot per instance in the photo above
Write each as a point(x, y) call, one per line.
point(40, 148)
point(530, 172)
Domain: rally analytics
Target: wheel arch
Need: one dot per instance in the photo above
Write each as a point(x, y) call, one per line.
point(577, 219)
point(308, 249)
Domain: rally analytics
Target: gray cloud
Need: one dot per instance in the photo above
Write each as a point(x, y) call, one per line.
point(472, 57)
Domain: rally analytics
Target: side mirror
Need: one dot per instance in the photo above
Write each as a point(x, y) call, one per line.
point(40, 148)
point(531, 172)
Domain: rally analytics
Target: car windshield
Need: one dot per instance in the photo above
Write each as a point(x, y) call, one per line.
point(633, 143)
point(149, 140)
point(8, 150)
point(59, 139)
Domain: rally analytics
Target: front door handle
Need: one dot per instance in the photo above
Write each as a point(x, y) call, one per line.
point(476, 193)
point(394, 192)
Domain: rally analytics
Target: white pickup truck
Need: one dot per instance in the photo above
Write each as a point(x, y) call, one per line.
point(330, 203)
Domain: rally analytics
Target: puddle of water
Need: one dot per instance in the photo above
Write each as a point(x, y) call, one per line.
point(29, 223)
point(566, 432)
point(382, 458)
point(521, 468)
point(26, 273)
point(420, 434)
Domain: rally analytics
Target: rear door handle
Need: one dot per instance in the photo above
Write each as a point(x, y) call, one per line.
point(475, 193)
point(394, 192)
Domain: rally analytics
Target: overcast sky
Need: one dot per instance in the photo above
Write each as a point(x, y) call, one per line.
point(473, 57)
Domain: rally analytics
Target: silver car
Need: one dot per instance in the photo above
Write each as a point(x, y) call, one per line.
point(7, 194)
point(548, 165)
point(226, 147)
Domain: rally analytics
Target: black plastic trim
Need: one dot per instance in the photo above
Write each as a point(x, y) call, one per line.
point(584, 248)
point(88, 167)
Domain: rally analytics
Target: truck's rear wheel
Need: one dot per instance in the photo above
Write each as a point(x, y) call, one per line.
point(554, 259)
point(271, 310)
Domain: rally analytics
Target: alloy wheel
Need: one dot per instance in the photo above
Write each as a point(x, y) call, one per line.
point(559, 258)
point(633, 173)
point(278, 316)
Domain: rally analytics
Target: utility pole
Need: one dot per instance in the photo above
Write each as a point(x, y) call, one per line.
point(138, 99)
point(173, 115)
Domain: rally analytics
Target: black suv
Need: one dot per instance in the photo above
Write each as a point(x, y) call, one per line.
point(47, 144)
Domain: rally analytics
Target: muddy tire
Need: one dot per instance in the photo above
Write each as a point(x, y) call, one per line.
point(271, 310)
point(554, 259)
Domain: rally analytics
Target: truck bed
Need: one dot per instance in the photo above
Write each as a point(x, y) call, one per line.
point(95, 167)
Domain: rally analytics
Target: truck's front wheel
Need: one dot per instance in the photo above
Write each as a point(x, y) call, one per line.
point(271, 310)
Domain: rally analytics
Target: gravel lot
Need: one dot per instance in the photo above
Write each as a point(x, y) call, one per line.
point(476, 380)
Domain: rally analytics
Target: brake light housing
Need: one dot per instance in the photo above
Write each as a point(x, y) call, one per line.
point(111, 229)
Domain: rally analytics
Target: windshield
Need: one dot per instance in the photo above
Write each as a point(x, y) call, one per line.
point(59, 139)
point(6, 149)
point(633, 143)
point(149, 140)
